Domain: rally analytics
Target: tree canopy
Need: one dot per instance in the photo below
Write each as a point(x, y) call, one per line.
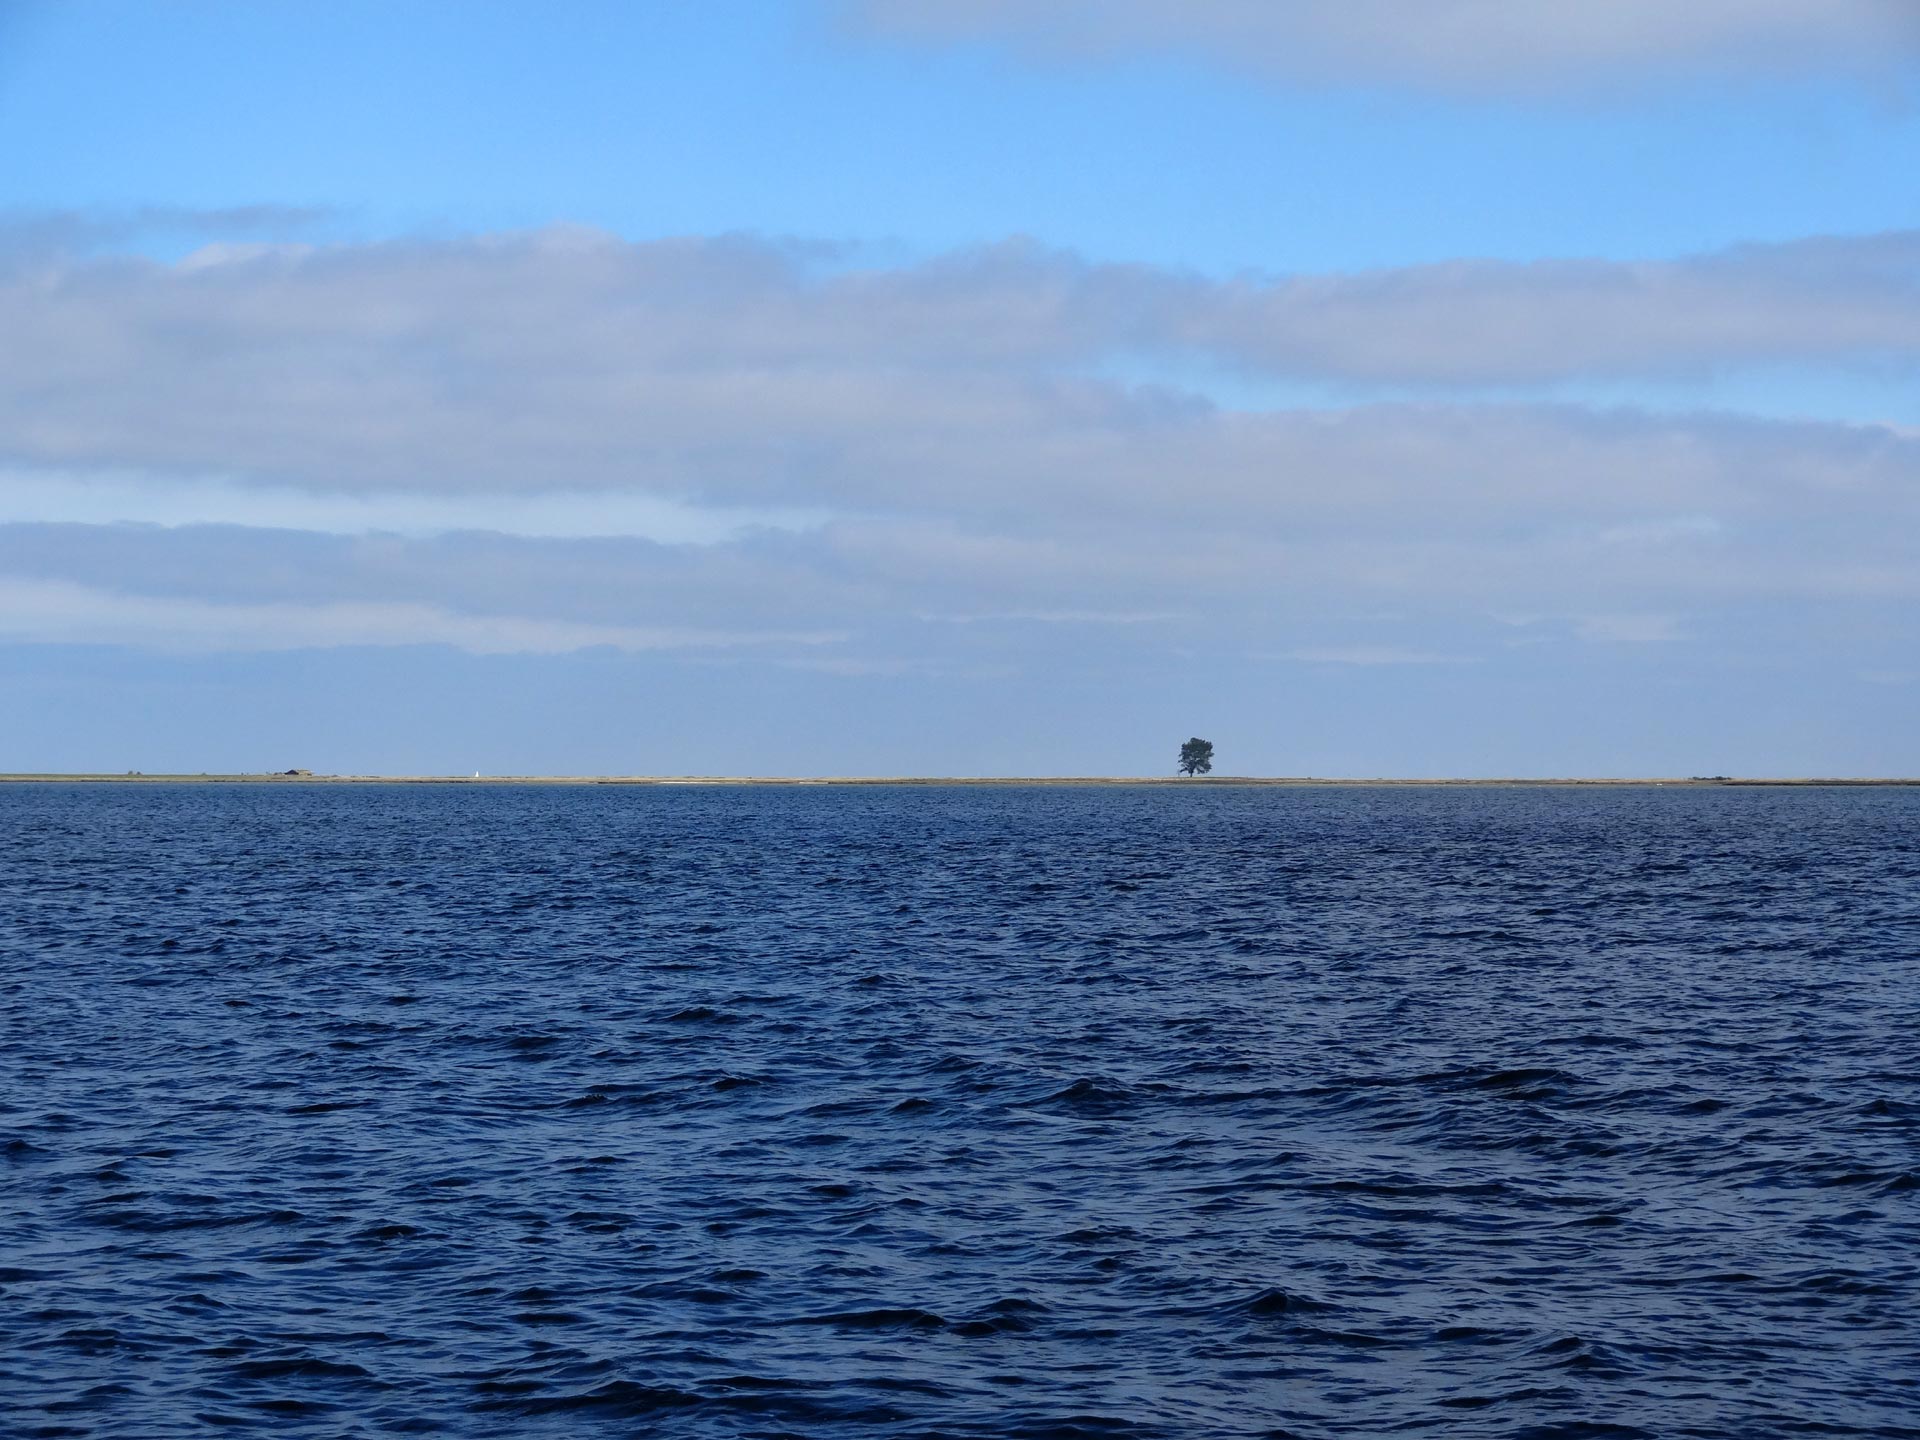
point(1196, 756)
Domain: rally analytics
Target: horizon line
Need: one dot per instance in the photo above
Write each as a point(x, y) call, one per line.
point(303, 777)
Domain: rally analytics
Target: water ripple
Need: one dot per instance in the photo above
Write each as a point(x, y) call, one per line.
point(1044, 1114)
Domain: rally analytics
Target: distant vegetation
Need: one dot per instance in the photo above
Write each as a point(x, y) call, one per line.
point(1196, 757)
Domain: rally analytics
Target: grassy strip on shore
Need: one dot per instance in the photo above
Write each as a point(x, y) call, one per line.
point(136, 778)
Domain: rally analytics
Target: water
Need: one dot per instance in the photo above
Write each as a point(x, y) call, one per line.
point(959, 1112)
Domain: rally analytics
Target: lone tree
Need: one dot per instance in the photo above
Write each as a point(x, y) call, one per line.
point(1196, 757)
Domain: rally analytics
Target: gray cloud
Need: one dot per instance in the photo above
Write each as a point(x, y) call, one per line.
point(61, 612)
point(49, 234)
point(746, 373)
point(1829, 301)
point(946, 430)
point(1256, 531)
point(1468, 45)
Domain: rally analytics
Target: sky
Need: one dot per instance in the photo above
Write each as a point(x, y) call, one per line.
point(969, 387)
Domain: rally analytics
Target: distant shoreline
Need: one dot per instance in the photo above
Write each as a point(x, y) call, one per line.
point(1085, 781)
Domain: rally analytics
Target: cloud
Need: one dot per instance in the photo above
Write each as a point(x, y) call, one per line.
point(59, 612)
point(1629, 629)
point(1667, 530)
point(1058, 617)
point(741, 373)
point(1369, 655)
point(1439, 515)
point(561, 440)
point(40, 233)
point(1459, 45)
point(624, 592)
point(29, 495)
point(1838, 301)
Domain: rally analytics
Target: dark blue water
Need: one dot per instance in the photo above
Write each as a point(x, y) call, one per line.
point(959, 1112)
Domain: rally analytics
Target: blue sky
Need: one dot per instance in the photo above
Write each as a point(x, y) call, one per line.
point(907, 385)
point(775, 117)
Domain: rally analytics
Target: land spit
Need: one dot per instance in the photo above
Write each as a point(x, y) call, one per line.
point(1302, 781)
